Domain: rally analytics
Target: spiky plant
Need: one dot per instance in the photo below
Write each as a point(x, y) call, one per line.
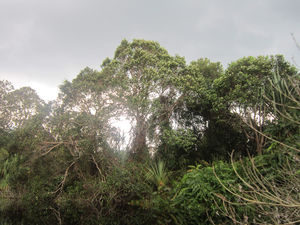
point(158, 174)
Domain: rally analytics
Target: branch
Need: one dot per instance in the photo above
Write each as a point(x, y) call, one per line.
point(58, 144)
point(103, 177)
point(57, 214)
point(61, 185)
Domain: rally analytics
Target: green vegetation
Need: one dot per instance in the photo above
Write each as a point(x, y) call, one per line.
point(207, 145)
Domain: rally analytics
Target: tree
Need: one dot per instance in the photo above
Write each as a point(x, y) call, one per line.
point(144, 80)
point(17, 106)
point(211, 125)
point(5, 88)
point(242, 87)
point(22, 118)
point(185, 140)
point(271, 189)
point(82, 115)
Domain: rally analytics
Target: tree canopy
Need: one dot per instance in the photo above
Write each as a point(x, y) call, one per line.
point(145, 84)
point(65, 161)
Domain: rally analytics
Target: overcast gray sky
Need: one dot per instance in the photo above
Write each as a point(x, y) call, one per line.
point(44, 42)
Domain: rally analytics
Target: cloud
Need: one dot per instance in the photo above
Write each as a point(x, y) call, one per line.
point(47, 41)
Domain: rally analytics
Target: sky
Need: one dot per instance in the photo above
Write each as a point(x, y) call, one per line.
point(42, 43)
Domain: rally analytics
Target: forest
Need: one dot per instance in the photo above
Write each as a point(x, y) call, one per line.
point(207, 145)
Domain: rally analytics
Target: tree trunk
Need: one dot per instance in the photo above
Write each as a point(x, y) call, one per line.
point(139, 144)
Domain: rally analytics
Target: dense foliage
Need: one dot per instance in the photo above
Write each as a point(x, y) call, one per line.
point(206, 145)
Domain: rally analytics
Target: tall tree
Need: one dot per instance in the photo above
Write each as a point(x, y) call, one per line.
point(145, 78)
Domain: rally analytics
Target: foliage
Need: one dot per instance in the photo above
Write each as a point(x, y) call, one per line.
point(158, 174)
point(63, 162)
point(196, 194)
point(242, 88)
point(177, 148)
point(17, 106)
point(274, 198)
point(283, 96)
point(268, 187)
point(74, 193)
point(144, 79)
point(185, 142)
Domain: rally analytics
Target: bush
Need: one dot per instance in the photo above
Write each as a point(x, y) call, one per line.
point(195, 200)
